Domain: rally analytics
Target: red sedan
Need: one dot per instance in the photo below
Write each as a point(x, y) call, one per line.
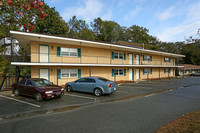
point(38, 88)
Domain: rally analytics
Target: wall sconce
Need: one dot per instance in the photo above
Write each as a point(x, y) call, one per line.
point(51, 70)
point(51, 46)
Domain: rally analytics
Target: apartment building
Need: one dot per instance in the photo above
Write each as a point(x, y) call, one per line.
point(62, 59)
point(188, 69)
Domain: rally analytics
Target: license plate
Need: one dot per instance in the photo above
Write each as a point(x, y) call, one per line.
point(114, 88)
point(58, 93)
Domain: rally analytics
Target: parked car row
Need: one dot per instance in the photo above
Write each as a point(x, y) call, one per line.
point(44, 89)
point(195, 74)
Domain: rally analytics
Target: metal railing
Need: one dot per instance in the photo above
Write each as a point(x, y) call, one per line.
point(86, 59)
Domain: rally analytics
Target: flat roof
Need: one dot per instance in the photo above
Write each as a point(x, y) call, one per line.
point(26, 37)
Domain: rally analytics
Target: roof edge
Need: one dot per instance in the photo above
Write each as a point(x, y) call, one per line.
point(92, 42)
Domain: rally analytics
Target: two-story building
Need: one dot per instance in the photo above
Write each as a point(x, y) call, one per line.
point(63, 59)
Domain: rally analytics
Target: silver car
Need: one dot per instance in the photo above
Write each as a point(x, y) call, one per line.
point(195, 74)
point(96, 85)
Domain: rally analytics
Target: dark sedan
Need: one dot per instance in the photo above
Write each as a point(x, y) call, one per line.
point(96, 85)
point(38, 88)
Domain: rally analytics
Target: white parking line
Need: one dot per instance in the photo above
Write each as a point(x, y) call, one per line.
point(122, 91)
point(20, 101)
point(79, 96)
point(149, 95)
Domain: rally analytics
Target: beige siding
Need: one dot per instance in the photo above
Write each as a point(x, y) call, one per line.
point(92, 56)
point(105, 72)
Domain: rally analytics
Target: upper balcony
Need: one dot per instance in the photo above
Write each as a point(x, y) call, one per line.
point(129, 59)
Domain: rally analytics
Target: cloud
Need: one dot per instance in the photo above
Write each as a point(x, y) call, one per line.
point(129, 16)
point(87, 10)
point(56, 1)
point(187, 27)
point(168, 13)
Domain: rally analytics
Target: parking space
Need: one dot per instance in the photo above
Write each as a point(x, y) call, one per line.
point(22, 104)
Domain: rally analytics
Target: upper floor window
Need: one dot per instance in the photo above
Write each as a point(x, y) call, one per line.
point(118, 55)
point(147, 58)
point(69, 52)
point(166, 59)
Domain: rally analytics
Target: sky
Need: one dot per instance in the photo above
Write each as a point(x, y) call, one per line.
point(168, 20)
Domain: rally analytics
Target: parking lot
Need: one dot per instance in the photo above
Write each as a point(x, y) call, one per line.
point(16, 106)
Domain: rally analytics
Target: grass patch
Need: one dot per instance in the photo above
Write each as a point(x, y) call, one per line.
point(189, 123)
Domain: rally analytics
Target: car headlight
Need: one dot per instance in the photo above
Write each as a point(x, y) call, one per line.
point(47, 92)
point(62, 89)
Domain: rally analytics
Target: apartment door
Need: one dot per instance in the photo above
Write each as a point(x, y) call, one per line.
point(131, 74)
point(172, 61)
point(44, 73)
point(137, 59)
point(130, 59)
point(44, 53)
point(137, 73)
point(172, 72)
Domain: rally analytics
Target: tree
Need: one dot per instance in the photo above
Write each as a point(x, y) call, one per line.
point(52, 24)
point(138, 34)
point(192, 53)
point(109, 31)
point(79, 29)
point(19, 15)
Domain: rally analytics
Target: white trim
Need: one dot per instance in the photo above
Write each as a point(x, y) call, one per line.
point(92, 42)
point(67, 64)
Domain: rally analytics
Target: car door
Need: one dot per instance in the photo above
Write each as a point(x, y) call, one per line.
point(30, 90)
point(90, 84)
point(21, 86)
point(79, 85)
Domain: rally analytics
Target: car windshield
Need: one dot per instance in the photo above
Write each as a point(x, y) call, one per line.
point(42, 82)
point(104, 80)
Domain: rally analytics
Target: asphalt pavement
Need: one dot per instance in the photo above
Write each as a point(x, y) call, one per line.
point(135, 107)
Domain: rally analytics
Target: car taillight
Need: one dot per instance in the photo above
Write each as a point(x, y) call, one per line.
point(109, 85)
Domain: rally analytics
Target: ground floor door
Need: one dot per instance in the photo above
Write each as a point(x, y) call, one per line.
point(137, 73)
point(44, 73)
point(131, 74)
point(172, 72)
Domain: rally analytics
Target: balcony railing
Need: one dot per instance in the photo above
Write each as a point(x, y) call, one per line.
point(85, 59)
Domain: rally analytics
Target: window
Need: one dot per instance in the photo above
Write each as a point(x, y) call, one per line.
point(22, 82)
point(118, 55)
point(69, 52)
point(147, 58)
point(81, 80)
point(28, 83)
point(89, 80)
point(166, 70)
point(147, 71)
point(119, 72)
point(104, 79)
point(69, 73)
point(166, 59)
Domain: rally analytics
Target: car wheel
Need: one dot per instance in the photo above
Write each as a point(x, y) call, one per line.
point(38, 97)
point(97, 92)
point(69, 88)
point(16, 92)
